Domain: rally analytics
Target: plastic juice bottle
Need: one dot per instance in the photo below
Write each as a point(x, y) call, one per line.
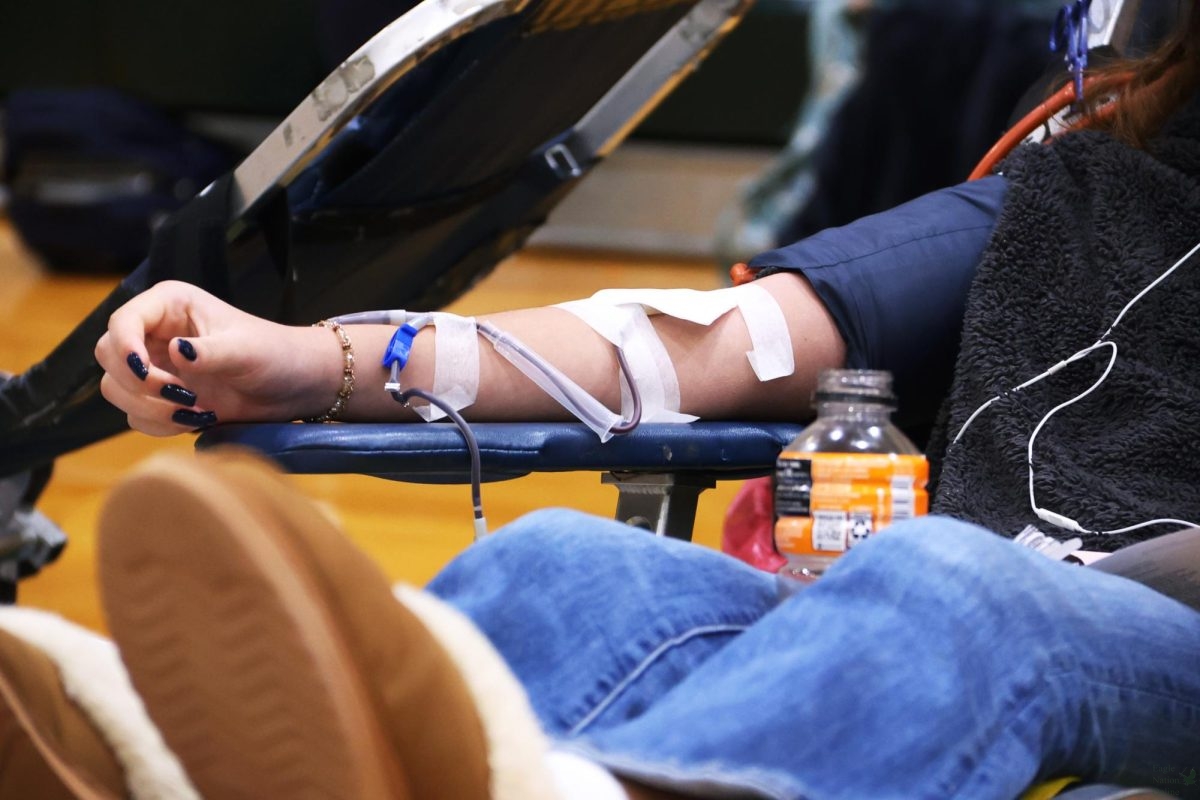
point(845, 477)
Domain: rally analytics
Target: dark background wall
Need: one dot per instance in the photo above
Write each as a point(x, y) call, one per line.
point(261, 56)
point(252, 56)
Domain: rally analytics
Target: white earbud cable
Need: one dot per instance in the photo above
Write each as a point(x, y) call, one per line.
point(1046, 515)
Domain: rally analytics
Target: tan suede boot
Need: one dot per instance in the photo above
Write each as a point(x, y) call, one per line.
point(48, 747)
point(276, 660)
point(71, 725)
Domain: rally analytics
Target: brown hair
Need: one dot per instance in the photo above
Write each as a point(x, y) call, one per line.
point(1149, 89)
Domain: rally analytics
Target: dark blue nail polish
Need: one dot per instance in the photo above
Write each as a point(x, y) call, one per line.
point(187, 350)
point(178, 394)
point(194, 419)
point(138, 367)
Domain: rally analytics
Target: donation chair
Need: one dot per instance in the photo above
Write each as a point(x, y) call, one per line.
point(658, 469)
point(429, 155)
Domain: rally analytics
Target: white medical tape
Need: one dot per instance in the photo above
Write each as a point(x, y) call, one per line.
point(456, 364)
point(619, 315)
point(629, 328)
point(651, 366)
point(770, 353)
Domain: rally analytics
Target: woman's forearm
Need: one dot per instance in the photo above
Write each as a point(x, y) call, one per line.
point(715, 377)
point(176, 358)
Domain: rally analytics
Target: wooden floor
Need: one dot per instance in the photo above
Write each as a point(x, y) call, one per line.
point(411, 529)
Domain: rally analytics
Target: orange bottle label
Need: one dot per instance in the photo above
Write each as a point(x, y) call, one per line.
point(825, 503)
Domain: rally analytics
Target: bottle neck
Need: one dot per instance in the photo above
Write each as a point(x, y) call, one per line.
point(862, 410)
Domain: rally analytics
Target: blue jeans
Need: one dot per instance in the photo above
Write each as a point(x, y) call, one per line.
point(936, 660)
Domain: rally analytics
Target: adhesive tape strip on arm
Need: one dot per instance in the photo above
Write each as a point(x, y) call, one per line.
point(612, 314)
point(652, 369)
point(456, 364)
point(627, 327)
point(770, 352)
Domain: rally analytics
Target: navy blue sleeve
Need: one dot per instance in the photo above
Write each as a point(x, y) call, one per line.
point(896, 285)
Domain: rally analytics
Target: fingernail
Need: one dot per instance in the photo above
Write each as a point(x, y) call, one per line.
point(178, 394)
point(137, 365)
point(194, 419)
point(187, 350)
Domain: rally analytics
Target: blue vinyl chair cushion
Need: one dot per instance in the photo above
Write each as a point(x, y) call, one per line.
point(437, 453)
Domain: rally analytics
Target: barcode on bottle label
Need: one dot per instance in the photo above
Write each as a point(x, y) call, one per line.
point(829, 530)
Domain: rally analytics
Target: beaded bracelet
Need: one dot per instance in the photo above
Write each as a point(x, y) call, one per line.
point(347, 388)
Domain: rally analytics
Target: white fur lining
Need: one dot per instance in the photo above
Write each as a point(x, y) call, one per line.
point(579, 778)
point(517, 748)
point(94, 677)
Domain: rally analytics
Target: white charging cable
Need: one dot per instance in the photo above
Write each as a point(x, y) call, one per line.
point(1060, 520)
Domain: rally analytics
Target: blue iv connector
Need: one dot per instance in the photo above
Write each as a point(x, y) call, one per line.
point(399, 347)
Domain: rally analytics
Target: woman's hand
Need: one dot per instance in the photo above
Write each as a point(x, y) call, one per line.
point(176, 359)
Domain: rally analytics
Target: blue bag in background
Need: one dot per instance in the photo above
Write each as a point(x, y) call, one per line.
point(90, 172)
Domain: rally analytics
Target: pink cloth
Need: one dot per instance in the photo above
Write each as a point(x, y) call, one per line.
point(748, 532)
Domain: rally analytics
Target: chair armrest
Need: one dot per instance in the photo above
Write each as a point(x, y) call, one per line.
point(437, 453)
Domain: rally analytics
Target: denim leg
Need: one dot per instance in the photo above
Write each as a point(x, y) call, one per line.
point(935, 661)
point(598, 619)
